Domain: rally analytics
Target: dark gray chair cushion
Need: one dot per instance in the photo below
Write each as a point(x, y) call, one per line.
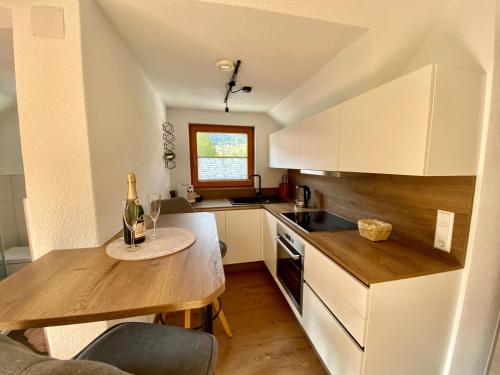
point(16, 359)
point(223, 249)
point(142, 348)
point(176, 206)
point(182, 206)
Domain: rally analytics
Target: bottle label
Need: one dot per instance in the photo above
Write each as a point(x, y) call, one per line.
point(140, 230)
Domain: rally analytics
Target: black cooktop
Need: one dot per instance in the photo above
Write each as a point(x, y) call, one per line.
point(315, 221)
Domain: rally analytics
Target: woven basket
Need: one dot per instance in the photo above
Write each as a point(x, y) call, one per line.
point(374, 230)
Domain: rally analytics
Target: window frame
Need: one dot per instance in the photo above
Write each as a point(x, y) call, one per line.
point(214, 128)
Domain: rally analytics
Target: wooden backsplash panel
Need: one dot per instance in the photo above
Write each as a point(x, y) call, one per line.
point(221, 193)
point(409, 203)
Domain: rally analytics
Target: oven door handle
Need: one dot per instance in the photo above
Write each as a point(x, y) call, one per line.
point(292, 255)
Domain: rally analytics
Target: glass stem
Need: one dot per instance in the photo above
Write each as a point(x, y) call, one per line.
point(132, 233)
point(154, 228)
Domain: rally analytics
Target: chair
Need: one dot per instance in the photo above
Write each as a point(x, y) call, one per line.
point(138, 348)
point(181, 205)
point(176, 206)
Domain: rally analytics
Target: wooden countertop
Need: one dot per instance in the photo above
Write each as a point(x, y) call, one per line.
point(225, 205)
point(371, 262)
point(221, 205)
point(86, 285)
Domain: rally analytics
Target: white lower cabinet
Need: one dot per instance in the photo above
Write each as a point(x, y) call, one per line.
point(220, 222)
point(402, 325)
point(339, 352)
point(390, 328)
point(243, 236)
point(269, 241)
point(343, 294)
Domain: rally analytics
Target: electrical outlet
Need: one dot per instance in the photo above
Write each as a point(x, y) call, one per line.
point(444, 230)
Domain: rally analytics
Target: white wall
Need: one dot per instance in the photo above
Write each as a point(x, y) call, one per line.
point(11, 160)
point(5, 17)
point(82, 129)
point(124, 117)
point(54, 140)
point(379, 55)
point(465, 37)
point(53, 130)
point(480, 292)
point(264, 125)
point(13, 231)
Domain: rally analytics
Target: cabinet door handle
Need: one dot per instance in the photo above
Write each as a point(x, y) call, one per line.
point(292, 255)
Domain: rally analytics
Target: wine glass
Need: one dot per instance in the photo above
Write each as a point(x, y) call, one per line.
point(154, 210)
point(130, 211)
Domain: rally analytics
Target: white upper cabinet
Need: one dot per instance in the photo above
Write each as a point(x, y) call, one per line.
point(426, 123)
point(284, 148)
point(289, 144)
point(274, 150)
point(319, 141)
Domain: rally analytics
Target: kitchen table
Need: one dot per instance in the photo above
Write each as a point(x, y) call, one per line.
point(86, 285)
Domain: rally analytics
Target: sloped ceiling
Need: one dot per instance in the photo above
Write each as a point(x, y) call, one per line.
point(178, 42)
point(298, 55)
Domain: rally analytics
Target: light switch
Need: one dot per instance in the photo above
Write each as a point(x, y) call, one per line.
point(443, 217)
point(444, 230)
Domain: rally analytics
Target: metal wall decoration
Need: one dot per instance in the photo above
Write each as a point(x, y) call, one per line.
point(168, 145)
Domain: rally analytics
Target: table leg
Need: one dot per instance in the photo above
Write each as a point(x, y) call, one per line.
point(206, 319)
point(157, 319)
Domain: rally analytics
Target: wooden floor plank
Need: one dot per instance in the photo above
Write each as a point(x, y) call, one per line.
point(266, 337)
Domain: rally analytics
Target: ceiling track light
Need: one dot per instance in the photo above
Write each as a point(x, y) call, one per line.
point(225, 65)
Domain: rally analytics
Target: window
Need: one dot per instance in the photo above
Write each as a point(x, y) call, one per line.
point(221, 155)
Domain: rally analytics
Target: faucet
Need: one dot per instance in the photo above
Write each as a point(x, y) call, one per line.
point(259, 190)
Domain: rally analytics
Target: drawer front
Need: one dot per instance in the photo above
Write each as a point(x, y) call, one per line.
point(344, 295)
point(339, 352)
point(269, 241)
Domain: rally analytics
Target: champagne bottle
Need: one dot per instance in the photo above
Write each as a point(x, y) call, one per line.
point(140, 229)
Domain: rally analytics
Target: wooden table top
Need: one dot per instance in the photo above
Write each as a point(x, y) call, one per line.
point(86, 285)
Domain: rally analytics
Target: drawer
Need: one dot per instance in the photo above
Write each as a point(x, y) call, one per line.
point(343, 294)
point(339, 352)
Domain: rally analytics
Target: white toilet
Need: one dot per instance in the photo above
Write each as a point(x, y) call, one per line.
point(16, 258)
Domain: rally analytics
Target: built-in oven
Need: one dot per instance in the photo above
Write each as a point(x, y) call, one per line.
point(290, 264)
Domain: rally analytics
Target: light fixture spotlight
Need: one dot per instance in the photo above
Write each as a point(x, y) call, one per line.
point(232, 83)
point(225, 65)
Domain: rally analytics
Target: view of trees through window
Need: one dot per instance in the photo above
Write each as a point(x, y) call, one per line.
point(221, 155)
point(218, 145)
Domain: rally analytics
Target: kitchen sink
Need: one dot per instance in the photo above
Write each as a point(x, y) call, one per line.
point(253, 200)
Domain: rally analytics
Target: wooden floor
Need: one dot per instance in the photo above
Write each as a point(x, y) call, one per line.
point(266, 337)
